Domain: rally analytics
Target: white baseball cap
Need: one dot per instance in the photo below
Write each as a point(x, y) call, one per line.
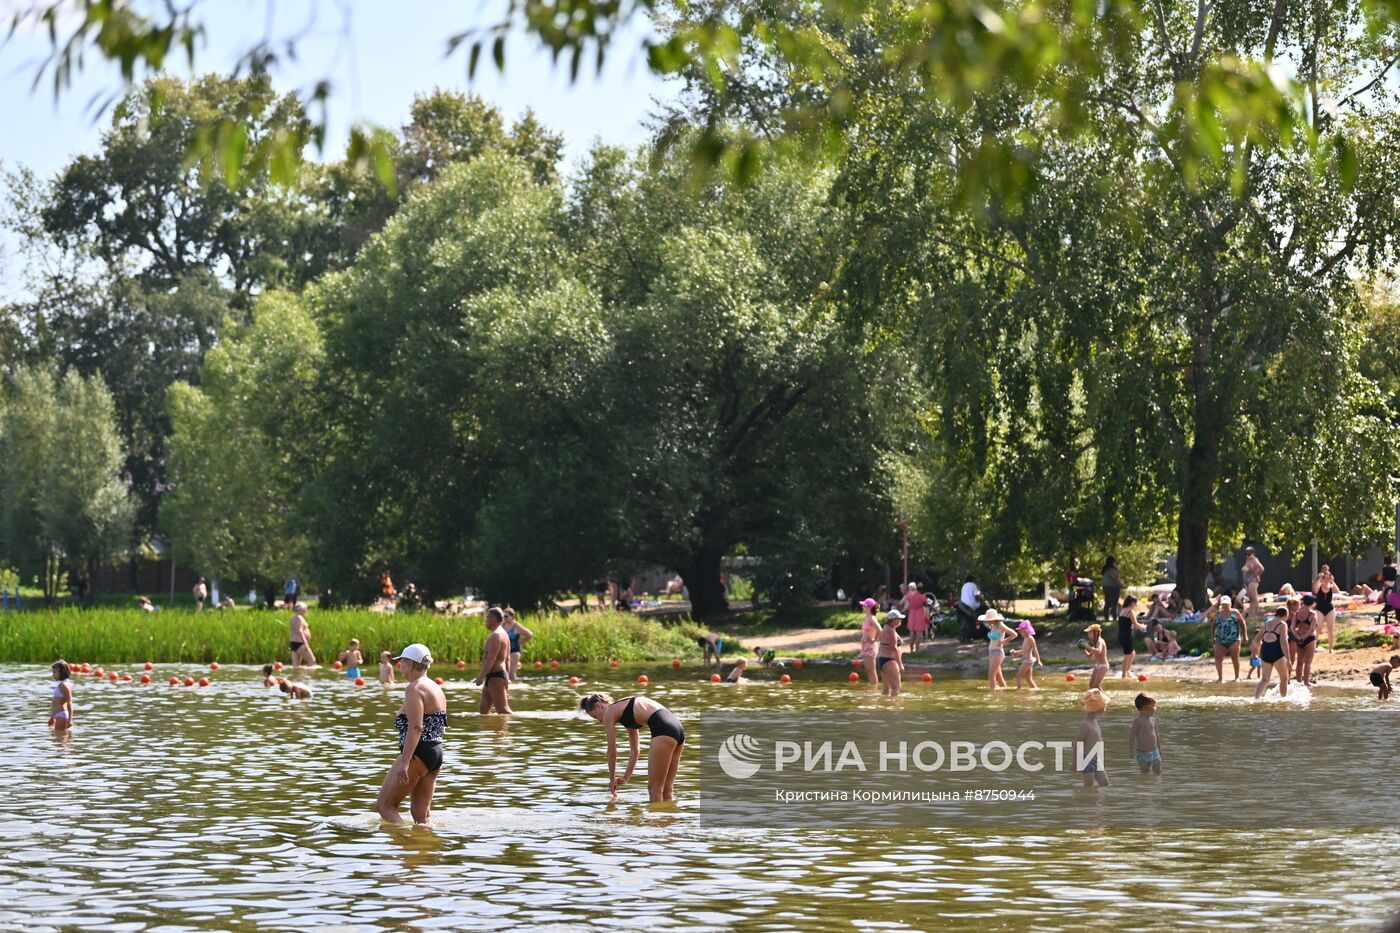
point(418, 654)
point(1224, 600)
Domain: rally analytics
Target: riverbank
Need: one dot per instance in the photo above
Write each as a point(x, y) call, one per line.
point(259, 637)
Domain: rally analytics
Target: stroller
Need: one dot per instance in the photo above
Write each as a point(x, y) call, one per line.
point(971, 629)
point(1083, 602)
point(1390, 605)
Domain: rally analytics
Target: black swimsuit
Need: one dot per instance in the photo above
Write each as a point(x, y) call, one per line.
point(1270, 651)
point(661, 722)
point(1324, 602)
point(430, 744)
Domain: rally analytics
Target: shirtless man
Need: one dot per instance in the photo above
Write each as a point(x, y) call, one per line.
point(495, 653)
point(300, 639)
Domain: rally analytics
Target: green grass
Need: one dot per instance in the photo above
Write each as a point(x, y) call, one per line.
point(108, 636)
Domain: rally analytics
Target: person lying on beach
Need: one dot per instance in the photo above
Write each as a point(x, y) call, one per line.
point(1143, 743)
point(293, 689)
point(268, 679)
point(736, 676)
point(1380, 676)
point(1091, 735)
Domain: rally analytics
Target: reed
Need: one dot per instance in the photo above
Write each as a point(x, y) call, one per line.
point(246, 636)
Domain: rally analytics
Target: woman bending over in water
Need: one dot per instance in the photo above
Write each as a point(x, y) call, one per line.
point(421, 721)
point(667, 740)
point(61, 711)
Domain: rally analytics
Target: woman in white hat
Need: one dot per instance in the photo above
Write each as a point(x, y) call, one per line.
point(1228, 632)
point(999, 635)
point(422, 722)
point(887, 658)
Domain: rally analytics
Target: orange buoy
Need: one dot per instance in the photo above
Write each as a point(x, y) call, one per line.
point(461, 665)
point(928, 678)
point(855, 678)
point(359, 681)
point(189, 681)
point(438, 681)
point(642, 679)
point(150, 666)
point(573, 680)
point(112, 676)
point(1069, 677)
point(126, 678)
point(145, 678)
point(335, 664)
point(1142, 678)
point(855, 662)
point(612, 663)
point(676, 662)
point(276, 665)
point(539, 664)
point(174, 681)
point(714, 678)
point(797, 663)
point(785, 679)
point(213, 665)
point(204, 681)
point(553, 664)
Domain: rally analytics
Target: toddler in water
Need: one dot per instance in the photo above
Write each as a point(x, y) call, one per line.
point(61, 711)
point(1142, 736)
point(293, 689)
point(268, 679)
point(386, 668)
point(736, 676)
point(1090, 735)
point(1380, 676)
point(352, 659)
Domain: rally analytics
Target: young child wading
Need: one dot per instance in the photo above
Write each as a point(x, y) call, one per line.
point(1143, 743)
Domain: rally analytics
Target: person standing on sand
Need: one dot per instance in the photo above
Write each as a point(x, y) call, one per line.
point(1324, 589)
point(1128, 628)
point(1112, 588)
point(422, 724)
point(869, 639)
point(300, 639)
point(495, 656)
point(1228, 631)
point(915, 606)
point(1252, 573)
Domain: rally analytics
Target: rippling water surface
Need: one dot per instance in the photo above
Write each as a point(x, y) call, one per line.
point(231, 807)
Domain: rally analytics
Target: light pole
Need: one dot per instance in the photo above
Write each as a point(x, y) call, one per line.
point(904, 531)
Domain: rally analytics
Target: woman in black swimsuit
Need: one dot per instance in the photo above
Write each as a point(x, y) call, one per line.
point(667, 740)
point(1128, 627)
point(1324, 588)
point(1269, 648)
point(1304, 638)
point(421, 722)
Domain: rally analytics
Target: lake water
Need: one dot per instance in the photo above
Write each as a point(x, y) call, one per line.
point(230, 807)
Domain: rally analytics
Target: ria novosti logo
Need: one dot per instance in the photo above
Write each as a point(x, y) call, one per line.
point(739, 756)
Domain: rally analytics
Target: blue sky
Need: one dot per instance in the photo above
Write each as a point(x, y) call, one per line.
point(393, 51)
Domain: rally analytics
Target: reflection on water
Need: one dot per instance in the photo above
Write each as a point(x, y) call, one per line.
point(176, 808)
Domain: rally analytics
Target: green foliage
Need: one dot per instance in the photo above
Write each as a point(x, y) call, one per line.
point(238, 446)
point(130, 636)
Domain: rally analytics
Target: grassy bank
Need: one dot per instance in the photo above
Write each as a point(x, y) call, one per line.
point(256, 637)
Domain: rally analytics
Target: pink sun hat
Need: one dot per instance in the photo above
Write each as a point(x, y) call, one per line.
point(868, 603)
point(1026, 627)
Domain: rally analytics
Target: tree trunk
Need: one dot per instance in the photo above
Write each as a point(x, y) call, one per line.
point(1197, 498)
point(701, 577)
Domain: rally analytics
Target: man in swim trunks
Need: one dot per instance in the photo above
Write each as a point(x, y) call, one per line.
point(495, 654)
point(300, 639)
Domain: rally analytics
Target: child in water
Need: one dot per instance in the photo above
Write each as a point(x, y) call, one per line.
point(736, 676)
point(1030, 655)
point(1096, 650)
point(352, 659)
point(386, 668)
point(268, 679)
point(293, 689)
point(61, 710)
point(1380, 676)
point(1091, 735)
point(1142, 736)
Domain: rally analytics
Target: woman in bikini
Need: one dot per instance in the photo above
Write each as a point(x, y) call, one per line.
point(421, 722)
point(999, 635)
point(1270, 647)
point(1324, 589)
point(1096, 650)
point(61, 710)
point(888, 662)
point(667, 740)
point(1304, 626)
point(869, 639)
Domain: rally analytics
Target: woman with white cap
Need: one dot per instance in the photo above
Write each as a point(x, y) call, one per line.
point(1227, 632)
point(888, 662)
point(1128, 628)
point(422, 722)
point(869, 639)
point(999, 635)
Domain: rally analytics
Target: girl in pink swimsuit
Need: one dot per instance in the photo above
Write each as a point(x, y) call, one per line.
point(869, 639)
